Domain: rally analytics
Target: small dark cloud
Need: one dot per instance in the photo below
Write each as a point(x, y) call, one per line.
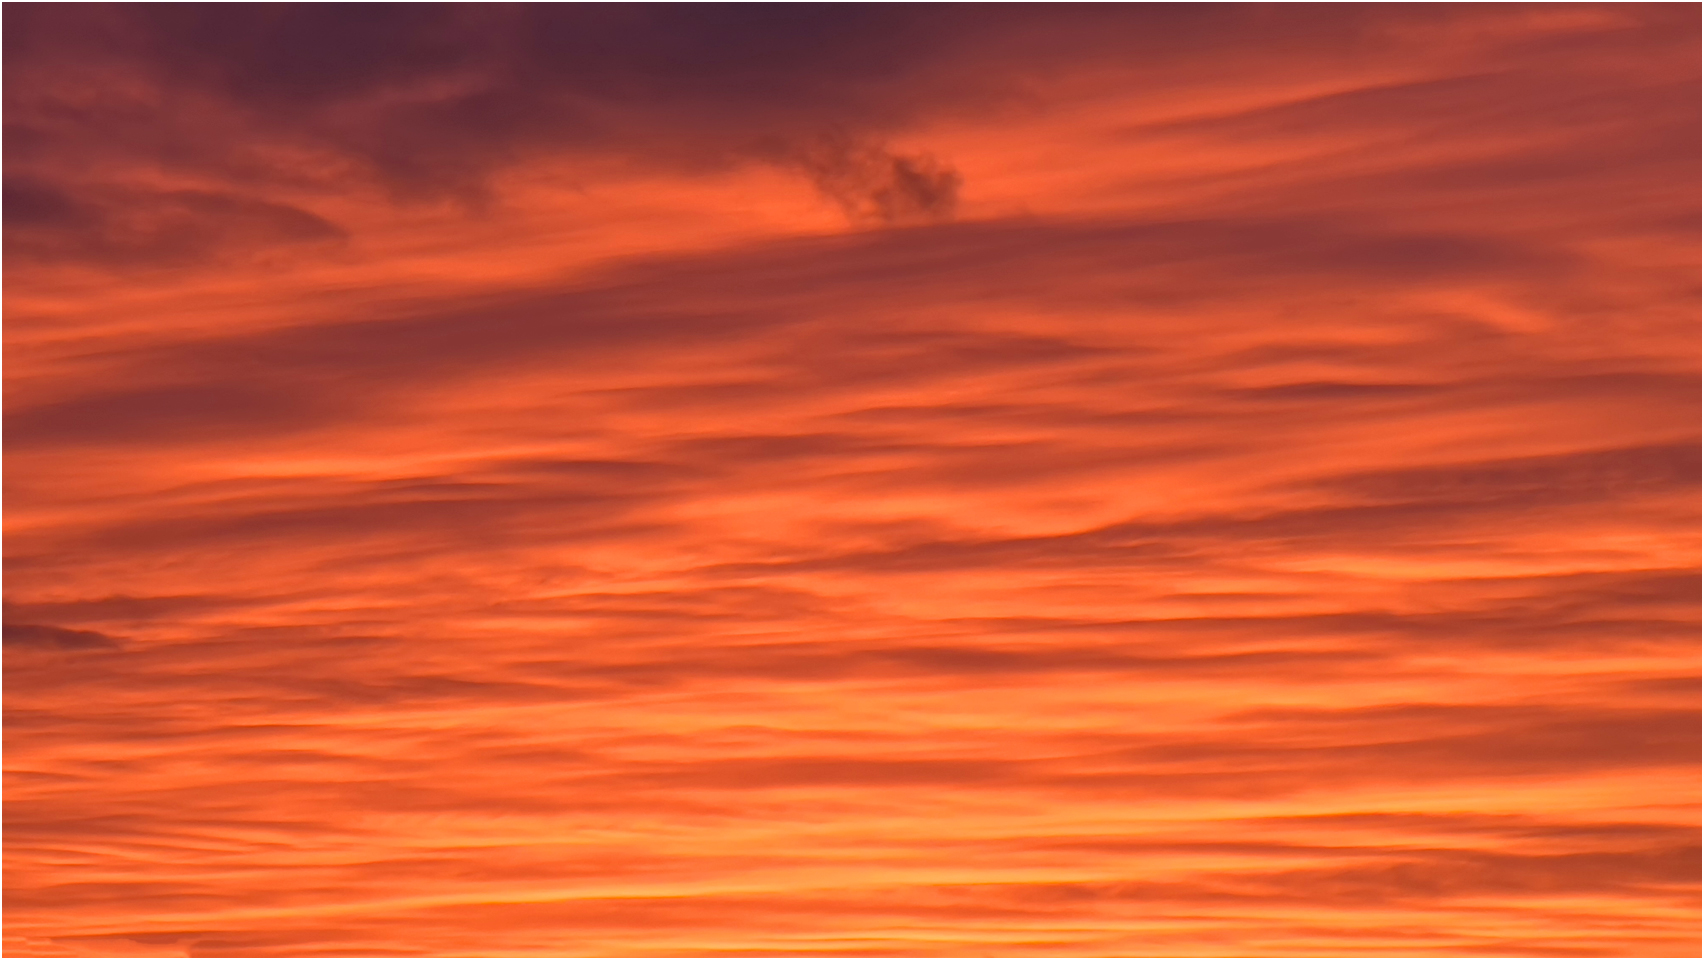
point(874, 186)
point(31, 636)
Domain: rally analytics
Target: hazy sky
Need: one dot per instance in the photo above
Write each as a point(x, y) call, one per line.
point(786, 479)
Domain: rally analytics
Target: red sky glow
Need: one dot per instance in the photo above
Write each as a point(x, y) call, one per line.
point(852, 480)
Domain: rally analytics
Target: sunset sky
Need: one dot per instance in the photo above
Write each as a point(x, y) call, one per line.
point(852, 480)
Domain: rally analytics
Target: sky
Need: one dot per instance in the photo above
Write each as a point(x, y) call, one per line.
point(826, 480)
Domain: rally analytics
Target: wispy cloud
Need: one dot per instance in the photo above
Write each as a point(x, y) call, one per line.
point(900, 480)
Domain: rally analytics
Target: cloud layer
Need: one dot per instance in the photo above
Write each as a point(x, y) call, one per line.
point(891, 480)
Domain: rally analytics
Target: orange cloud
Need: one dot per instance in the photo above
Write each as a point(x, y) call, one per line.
point(1092, 481)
